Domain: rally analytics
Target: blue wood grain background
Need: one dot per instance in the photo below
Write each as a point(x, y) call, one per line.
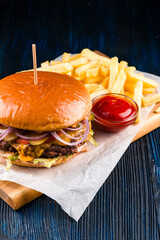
point(127, 207)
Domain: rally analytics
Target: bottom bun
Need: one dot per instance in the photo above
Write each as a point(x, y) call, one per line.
point(60, 160)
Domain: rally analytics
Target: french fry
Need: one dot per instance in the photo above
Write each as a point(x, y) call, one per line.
point(104, 71)
point(75, 56)
point(119, 83)
point(122, 65)
point(93, 80)
point(129, 94)
point(148, 90)
point(59, 68)
point(122, 90)
point(92, 72)
point(94, 56)
point(151, 99)
point(113, 72)
point(147, 82)
point(128, 86)
point(93, 87)
point(131, 68)
point(79, 78)
point(69, 73)
point(138, 97)
point(44, 64)
point(78, 62)
point(66, 57)
point(157, 110)
point(82, 69)
point(105, 82)
point(53, 62)
point(97, 93)
point(105, 62)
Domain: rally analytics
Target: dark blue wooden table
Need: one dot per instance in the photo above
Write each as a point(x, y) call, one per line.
point(128, 204)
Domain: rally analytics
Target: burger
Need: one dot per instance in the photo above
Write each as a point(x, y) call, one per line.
point(46, 124)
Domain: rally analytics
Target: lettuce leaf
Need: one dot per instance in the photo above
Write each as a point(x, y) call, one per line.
point(9, 160)
point(12, 157)
point(47, 162)
point(91, 139)
point(91, 116)
point(9, 164)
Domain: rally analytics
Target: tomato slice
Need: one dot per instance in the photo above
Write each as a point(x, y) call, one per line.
point(50, 139)
point(21, 140)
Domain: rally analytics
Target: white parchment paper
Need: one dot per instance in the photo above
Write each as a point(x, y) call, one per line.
point(74, 184)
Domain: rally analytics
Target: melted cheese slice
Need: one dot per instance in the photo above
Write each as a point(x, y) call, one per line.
point(28, 152)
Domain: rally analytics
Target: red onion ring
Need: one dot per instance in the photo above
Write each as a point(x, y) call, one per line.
point(4, 125)
point(75, 129)
point(2, 132)
point(5, 134)
point(54, 134)
point(30, 138)
point(70, 136)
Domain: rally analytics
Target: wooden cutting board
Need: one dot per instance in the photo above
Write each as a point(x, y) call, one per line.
point(16, 195)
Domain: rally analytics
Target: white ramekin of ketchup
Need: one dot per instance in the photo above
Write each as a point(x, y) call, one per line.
point(113, 112)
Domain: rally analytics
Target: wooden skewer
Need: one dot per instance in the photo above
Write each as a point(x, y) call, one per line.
point(34, 63)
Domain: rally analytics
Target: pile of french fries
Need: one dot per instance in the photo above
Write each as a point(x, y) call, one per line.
point(101, 74)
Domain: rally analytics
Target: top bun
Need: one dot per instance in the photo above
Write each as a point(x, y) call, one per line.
point(57, 101)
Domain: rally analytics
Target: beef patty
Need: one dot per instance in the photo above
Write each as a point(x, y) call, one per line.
point(5, 146)
point(51, 151)
point(57, 150)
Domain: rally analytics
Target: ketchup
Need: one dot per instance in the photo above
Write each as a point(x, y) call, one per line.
point(114, 111)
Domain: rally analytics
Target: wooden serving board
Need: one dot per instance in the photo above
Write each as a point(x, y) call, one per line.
point(16, 195)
